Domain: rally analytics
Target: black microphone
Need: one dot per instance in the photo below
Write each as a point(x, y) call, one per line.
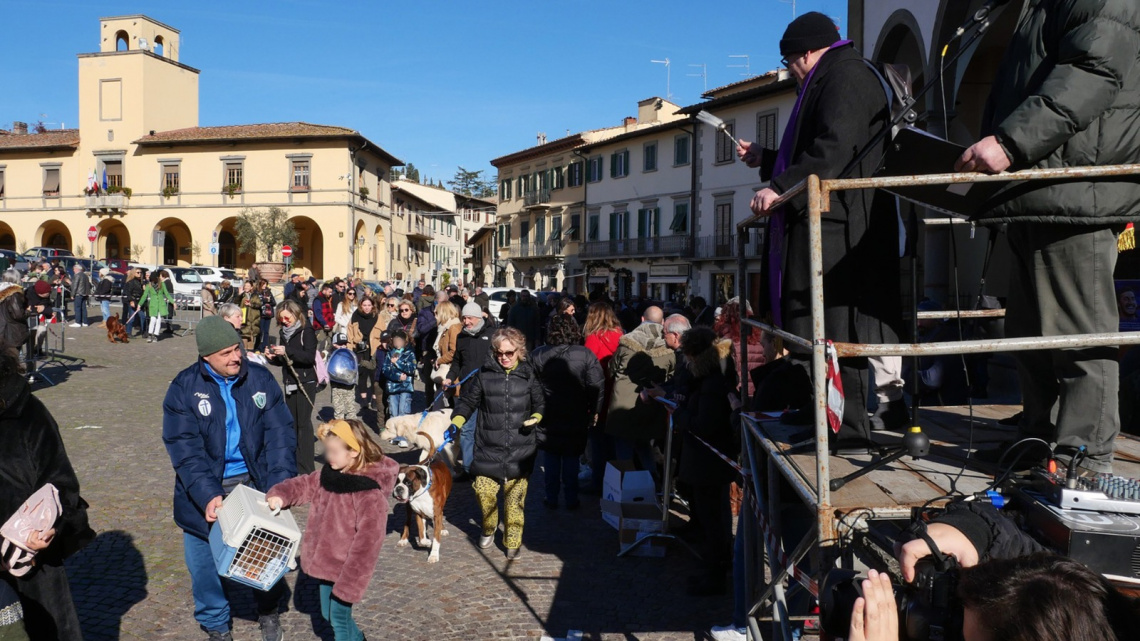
point(979, 17)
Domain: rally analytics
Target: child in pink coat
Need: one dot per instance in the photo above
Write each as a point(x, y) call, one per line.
point(347, 521)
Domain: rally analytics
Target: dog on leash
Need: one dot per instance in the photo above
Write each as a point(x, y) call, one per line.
point(424, 431)
point(116, 331)
point(423, 490)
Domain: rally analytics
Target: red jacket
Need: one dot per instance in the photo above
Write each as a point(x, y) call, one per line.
point(604, 345)
point(347, 523)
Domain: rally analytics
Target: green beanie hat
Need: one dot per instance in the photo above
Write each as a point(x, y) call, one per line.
point(214, 334)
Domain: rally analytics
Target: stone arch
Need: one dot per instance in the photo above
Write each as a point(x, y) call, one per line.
point(122, 41)
point(309, 252)
point(7, 237)
point(53, 233)
point(230, 255)
point(159, 46)
point(380, 253)
point(360, 251)
point(114, 240)
point(900, 42)
point(177, 246)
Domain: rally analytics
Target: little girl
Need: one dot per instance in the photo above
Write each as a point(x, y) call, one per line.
point(399, 370)
point(347, 521)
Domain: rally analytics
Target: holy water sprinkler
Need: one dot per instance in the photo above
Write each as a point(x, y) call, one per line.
point(717, 124)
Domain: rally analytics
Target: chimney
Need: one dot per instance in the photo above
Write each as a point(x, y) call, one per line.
point(541, 138)
point(19, 127)
point(630, 121)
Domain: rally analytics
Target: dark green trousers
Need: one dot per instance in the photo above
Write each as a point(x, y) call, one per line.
point(1062, 283)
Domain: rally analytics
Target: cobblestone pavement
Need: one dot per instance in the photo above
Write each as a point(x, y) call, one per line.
point(132, 582)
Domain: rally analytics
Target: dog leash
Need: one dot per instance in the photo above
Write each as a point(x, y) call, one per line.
point(447, 438)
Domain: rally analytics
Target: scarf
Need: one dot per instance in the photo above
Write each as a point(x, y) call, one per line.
point(290, 330)
point(339, 482)
point(474, 331)
point(365, 322)
point(777, 225)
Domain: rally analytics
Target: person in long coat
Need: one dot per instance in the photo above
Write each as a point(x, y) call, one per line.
point(574, 386)
point(841, 105)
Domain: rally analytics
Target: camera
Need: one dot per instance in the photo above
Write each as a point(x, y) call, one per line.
point(929, 609)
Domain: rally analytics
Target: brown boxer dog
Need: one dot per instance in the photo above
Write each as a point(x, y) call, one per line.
point(424, 489)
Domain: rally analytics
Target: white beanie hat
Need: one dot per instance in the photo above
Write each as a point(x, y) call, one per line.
point(472, 309)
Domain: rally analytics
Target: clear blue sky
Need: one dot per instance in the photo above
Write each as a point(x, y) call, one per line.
point(439, 84)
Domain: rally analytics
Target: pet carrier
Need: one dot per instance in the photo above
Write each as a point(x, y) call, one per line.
point(251, 545)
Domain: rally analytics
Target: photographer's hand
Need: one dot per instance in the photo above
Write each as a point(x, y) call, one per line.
point(948, 538)
point(875, 616)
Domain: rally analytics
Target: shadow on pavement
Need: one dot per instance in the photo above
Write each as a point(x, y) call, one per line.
point(107, 578)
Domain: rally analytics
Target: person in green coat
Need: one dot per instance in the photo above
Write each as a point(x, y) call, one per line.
point(157, 301)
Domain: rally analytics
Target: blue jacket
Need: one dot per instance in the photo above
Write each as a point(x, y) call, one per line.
point(194, 432)
point(405, 365)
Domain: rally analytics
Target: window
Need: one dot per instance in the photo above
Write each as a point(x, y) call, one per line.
point(505, 190)
point(539, 231)
point(233, 176)
point(171, 179)
point(648, 223)
point(619, 225)
point(524, 231)
point(680, 224)
point(594, 170)
point(300, 175)
point(725, 152)
point(575, 223)
point(51, 182)
point(595, 223)
point(114, 172)
point(766, 130)
point(650, 163)
point(681, 150)
point(521, 185)
point(619, 164)
point(575, 174)
point(555, 228)
point(1, 182)
point(559, 174)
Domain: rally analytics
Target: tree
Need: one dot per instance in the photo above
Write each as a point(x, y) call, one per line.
point(137, 252)
point(39, 127)
point(468, 183)
point(263, 231)
point(409, 172)
point(196, 251)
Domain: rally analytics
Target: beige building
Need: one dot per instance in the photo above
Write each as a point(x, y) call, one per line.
point(451, 219)
point(138, 127)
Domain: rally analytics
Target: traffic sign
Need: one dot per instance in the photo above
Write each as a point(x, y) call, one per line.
point(286, 251)
point(213, 249)
point(92, 233)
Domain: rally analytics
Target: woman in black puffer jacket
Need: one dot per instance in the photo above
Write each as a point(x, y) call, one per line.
point(508, 396)
point(573, 382)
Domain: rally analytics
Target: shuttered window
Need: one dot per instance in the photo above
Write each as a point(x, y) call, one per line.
point(725, 152)
point(234, 175)
point(171, 178)
point(766, 130)
point(51, 181)
point(681, 150)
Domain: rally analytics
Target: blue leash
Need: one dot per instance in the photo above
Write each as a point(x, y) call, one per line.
point(447, 437)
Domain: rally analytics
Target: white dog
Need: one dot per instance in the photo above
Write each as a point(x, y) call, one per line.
point(435, 424)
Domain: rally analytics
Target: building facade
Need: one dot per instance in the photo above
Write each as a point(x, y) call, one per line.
point(452, 218)
point(138, 135)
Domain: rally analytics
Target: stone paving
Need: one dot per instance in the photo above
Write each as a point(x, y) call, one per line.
point(132, 583)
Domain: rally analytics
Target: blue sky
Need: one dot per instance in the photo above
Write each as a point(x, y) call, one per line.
point(440, 84)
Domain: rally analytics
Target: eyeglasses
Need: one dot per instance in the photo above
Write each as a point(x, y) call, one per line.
point(786, 61)
point(391, 307)
point(405, 309)
point(509, 354)
point(353, 294)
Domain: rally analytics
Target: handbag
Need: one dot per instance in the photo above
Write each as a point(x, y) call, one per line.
point(38, 513)
point(322, 369)
point(439, 372)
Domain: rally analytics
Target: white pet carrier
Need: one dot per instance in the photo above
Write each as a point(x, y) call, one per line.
point(250, 544)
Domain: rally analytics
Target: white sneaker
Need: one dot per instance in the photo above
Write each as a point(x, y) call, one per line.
point(486, 541)
point(75, 325)
point(728, 633)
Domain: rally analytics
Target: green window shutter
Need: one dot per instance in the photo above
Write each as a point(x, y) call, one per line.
point(625, 162)
point(642, 222)
point(656, 222)
point(613, 165)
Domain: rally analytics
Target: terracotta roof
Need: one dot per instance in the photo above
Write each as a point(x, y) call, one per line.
point(52, 139)
point(480, 235)
point(265, 131)
point(741, 85)
point(782, 86)
point(636, 133)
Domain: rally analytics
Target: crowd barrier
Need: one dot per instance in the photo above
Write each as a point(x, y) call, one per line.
point(761, 456)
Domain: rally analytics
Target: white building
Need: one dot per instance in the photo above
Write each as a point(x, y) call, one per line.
point(754, 110)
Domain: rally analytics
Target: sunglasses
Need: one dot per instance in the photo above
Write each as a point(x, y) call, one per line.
point(391, 307)
point(509, 354)
point(353, 294)
point(405, 309)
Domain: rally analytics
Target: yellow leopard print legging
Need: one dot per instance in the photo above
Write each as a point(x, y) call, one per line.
point(514, 498)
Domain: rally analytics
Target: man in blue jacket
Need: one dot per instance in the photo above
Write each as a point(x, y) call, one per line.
point(224, 423)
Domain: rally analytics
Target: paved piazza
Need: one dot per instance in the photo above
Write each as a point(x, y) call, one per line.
point(132, 583)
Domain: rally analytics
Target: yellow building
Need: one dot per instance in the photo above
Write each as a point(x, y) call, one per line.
point(138, 134)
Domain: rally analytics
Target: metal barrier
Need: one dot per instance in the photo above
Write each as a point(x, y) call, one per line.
point(187, 313)
point(823, 540)
point(45, 347)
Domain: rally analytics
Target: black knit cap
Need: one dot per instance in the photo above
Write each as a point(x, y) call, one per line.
point(809, 32)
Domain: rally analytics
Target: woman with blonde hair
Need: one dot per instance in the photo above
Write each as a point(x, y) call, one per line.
point(603, 332)
point(509, 397)
point(447, 331)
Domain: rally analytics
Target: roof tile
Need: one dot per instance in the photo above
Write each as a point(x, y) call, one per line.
point(51, 139)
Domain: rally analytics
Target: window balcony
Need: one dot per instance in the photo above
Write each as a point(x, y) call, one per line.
point(546, 249)
point(664, 246)
point(723, 246)
point(532, 198)
point(106, 202)
point(419, 232)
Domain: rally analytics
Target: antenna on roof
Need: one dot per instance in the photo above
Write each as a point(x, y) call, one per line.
point(704, 75)
point(668, 76)
point(747, 66)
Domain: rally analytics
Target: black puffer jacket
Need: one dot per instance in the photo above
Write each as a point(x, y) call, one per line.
point(573, 383)
point(1067, 95)
point(13, 315)
point(504, 449)
point(708, 414)
point(302, 350)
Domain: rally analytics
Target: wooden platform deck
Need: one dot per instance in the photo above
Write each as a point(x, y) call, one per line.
point(910, 483)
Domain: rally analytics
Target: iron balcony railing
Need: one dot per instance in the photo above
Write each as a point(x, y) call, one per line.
point(536, 197)
point(722, 246)
point(676, 246)
point(537, 250)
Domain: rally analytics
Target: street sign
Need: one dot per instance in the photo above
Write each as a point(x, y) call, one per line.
point(213, 249)
point(215, 236)
point(92, 233)
point(286, 251)
point(159, 238)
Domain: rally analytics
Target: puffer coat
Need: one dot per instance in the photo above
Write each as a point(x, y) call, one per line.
point(573, 382)
point(642, 360)
point(504, 449)
point(1067, 94)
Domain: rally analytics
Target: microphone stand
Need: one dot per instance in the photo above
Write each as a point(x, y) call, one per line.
point(915, 443)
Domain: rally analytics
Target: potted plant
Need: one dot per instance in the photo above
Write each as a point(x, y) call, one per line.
point(231, 189)
point(364, 193)
point(262, 233)
point(169, 191)
point(128, 192)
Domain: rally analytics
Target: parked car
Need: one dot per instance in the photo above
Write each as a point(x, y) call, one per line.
point(119, 265)
point(17, 261)
point(209, 274)
point(186, 281)
point(40, 254)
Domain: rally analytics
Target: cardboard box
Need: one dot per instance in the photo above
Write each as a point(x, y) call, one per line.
point(623, 484)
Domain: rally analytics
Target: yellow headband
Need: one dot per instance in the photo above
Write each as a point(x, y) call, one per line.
point(344, 431)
